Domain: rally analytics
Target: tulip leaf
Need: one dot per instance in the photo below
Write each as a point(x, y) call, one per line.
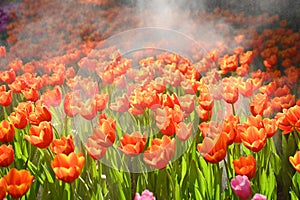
point(294, 196)
point(263, 182)
point(296, 183)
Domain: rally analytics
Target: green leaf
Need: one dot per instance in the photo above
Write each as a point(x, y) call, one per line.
point(263, 182)
point(293, 195)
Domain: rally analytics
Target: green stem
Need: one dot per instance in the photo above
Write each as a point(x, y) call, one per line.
point(297, 140)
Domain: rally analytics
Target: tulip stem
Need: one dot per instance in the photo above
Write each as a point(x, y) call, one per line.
point(233, 109)
point(296, 136)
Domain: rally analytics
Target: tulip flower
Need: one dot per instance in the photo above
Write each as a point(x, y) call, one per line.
point(40, 113)
point(160, 152)
point(5, 97)
point(184, 131)
point(68, 167)
point(40, 136)
point(7, 131)
point(3, 188)
point(245, 166)
point(213, 149)
point(63, 145)
point(230, 94)
point(18, 119)
point(18, 182)
point(133, 144)
point(259, 197)
point(95, 149)
point(6, 155)
point(254, 138)
point(295, 161)
point(146, 195)
point(241, 186)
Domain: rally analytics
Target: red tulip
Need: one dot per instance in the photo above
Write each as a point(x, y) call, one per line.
point(254, 138)
point(133, 144)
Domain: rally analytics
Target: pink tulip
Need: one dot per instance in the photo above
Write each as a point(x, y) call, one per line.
point(146, 195)
point(241, 186)
point(259, 197)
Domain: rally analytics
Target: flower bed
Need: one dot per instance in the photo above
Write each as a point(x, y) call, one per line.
point(96, 104)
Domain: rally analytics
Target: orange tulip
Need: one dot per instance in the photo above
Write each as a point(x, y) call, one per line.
point(5, 97)
point(133, 144)
point(88, 109)
point(160, 152)
point(230, 94)
point(245, 166)
point(94, 148)
point(72, 103)
point(122, 104)
point(7, 131)
point(258, 104)
point(6, 155)
point(52, 97)
point(40, 136)
point(213, 149)
point(68, 167)
point(8, 76)
point(41, 113)
point(3, 188)
point(31, 94)
point(206, 101)
point(18, 119)
point(254, 138)
point(295, 161)
point(63, 145)
point(101, 101)
point(18, 182)
point(270, 126)
point(293, 116)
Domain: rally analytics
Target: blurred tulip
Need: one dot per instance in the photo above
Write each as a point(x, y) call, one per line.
point(245, 166)
point(6, 155)
point(3, 188)
point(5, 97)
point(18, 182)
point(68, 167)
point(184, 131)
point(7, 131)
point(230, 94)
point(94, 148)
point(161, 151)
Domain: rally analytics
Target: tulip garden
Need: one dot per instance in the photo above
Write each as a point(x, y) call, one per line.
point(101, 100)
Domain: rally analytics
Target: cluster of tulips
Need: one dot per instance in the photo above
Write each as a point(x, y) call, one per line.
point(80, 120)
